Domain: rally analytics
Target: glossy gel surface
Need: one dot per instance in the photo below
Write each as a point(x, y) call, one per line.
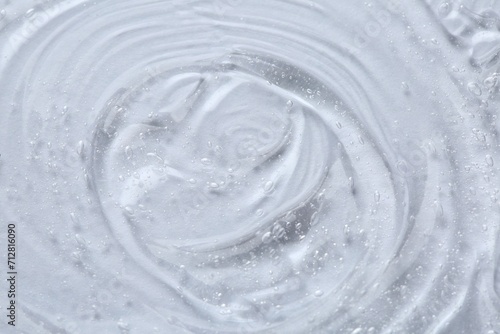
point(231, 166)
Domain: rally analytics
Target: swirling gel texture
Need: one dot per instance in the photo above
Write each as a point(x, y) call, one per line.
point(252, 166)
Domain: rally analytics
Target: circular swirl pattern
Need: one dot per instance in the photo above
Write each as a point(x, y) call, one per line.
point(253, 167)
